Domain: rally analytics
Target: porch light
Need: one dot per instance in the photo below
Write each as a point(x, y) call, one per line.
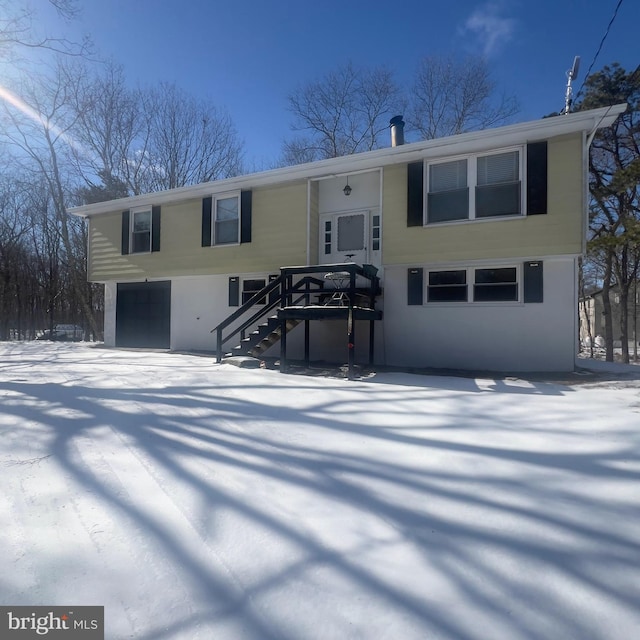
point(347, 189)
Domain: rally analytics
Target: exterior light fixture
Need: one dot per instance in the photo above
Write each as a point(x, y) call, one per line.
point(347, 189)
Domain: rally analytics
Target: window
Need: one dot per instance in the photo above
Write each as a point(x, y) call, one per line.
point(141, 231)
point(327, 237)
point(226, 220)
point(447, 286)
point(494, 180)
point(499, 284)
point(498, 187)
point(495, 285)
point(375, 232)
point(448, 197)
point(351, 232)
point(250, 288)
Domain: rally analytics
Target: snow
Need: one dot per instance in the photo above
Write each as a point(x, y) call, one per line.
point(204, 501)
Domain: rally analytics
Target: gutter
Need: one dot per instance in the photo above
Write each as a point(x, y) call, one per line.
point(592, 134)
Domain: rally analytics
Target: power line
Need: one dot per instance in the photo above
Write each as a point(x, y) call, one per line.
point(595, 57)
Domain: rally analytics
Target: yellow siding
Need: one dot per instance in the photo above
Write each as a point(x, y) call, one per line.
point(557, 233)
point(279, 238)
point(279, 230)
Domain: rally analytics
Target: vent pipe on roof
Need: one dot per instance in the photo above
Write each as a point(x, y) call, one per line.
point(397, 131)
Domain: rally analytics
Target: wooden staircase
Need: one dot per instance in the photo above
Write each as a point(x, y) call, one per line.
point(301, 294)
point(266, 335)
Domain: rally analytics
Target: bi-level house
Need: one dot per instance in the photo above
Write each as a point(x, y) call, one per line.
point(458, 252)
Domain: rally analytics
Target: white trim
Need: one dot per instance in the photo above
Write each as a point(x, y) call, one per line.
point(309, 223)
point(576, 305)
point(585, 193)
point(466, 143)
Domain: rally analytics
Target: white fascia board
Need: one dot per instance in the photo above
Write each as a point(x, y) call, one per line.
point(511, 135)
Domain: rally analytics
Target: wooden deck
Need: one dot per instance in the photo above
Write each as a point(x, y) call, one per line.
point(318, 312)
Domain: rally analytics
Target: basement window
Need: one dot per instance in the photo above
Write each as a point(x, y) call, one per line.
point(495, 285)
point(473, 284)
point(447, 286)
point(250, 288)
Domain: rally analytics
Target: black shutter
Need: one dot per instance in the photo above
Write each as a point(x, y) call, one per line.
point(415, 286)
point(245, 216)
point(125, 232)
point(537, 178)
point(533, 284)
point(234, 291)
point(155, 228)
point(415, 194)
point(206, 221)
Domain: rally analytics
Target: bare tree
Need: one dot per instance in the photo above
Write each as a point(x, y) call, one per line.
point(342, 113)
point(32, 268)
point(39, 124)
point(452, 95)
point(17, 29)
point(46, 248)
point(14, 232)
point(111, 130)
point(139, 141)
point(189, 141)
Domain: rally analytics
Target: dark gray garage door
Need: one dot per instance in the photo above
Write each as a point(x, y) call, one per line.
point(143, 315)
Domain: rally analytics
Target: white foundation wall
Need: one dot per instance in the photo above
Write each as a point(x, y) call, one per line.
point(328, 342)
point(197, 305)
point(110, 299)
point(474, 336)
point(490, 336)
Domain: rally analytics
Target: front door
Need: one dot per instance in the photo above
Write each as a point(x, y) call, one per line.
point(344, 238)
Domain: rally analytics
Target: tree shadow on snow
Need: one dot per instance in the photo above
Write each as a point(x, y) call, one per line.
point(477, 526)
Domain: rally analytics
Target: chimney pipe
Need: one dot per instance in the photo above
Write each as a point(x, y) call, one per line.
point(397, 131)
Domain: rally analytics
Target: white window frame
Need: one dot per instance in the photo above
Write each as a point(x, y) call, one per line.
point(132, 233)
point(214, 212)
point(471, 282)
point(472, 183)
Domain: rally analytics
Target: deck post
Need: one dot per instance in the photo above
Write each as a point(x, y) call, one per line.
point(283, 346)
point(306, 343)
point(371, 341)
point(351, 347)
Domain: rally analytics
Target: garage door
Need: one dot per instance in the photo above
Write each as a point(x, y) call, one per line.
point(143, 315)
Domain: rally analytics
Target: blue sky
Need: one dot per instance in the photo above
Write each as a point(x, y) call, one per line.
point(248, 56)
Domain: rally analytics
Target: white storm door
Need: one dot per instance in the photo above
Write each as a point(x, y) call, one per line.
point(345, 238)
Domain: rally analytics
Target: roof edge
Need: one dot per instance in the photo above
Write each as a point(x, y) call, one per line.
point(588, 121)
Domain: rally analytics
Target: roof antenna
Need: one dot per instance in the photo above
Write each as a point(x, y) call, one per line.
point(571, 75)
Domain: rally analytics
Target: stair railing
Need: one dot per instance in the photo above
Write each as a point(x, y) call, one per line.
point(272, 302)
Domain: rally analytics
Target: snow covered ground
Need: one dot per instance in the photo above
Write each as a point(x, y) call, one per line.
point(203, 501)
